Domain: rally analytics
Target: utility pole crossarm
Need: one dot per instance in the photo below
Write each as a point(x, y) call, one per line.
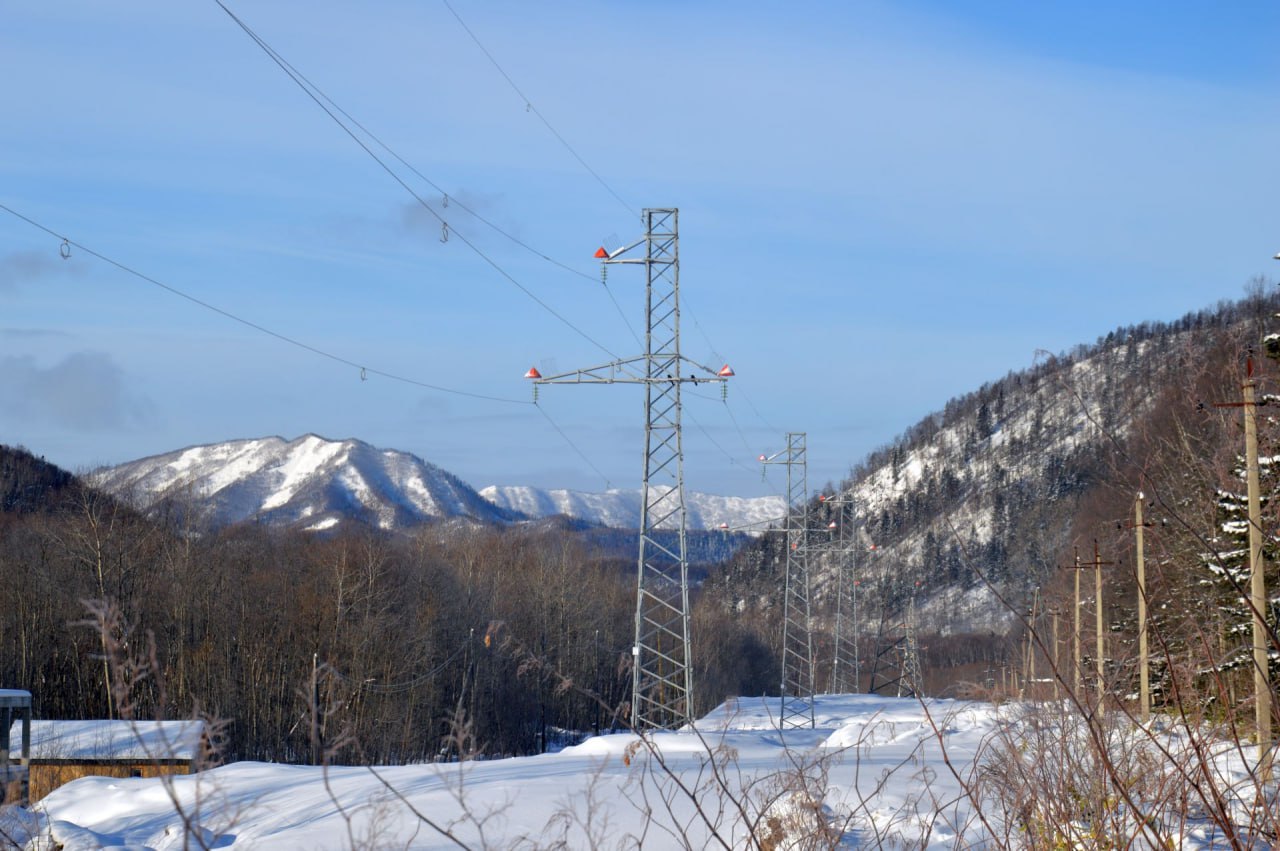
point(616, 372)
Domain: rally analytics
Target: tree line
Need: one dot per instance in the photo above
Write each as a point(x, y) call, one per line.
point(394, 635)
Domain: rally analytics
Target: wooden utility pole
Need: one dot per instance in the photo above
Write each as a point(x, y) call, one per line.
point(1144, 657)
point(1144, 679)
point(317, 734)
point(1257, 582)
point(1029, 660)
point(1057, 668)
point(1075, 633)
point(1097, 566)
point(1099, 662)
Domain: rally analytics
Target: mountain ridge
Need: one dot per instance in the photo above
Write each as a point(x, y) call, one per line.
point(311, 483)
point(314, 484)
point(619, 508)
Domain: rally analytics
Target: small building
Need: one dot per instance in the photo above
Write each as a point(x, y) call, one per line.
point(15, 725)
point(62, 751)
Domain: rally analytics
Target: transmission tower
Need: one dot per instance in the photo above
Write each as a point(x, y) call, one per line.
point(662, 680)
point(911, 682)
point(797, 639)
point(845, 671)
point(899, 654)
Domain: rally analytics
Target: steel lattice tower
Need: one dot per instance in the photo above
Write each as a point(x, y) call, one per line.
point(904, 651)
point(797, 639)
point(662, 679)
point(911, 681)
point(845, 671)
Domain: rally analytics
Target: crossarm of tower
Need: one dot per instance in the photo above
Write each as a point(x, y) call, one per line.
point(621, 372)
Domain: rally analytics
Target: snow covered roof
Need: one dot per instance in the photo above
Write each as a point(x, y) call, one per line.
point(117, 740)
point(14, 697)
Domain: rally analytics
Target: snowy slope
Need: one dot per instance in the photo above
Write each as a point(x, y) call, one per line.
point(986, 488)
point(875, 772)
point(620, 509)
point(602, 793)
point(310, 483)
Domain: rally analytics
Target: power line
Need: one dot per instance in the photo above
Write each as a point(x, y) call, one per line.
point(745, 397)
point(533, 109)
point(291, 69)
point(68, 243)
point(530, 106)
point(623, 316)
point(397, 688)
point(732, 460)
point(444, 224)
point(445, 195)
point(574, 446)
point(729, 410)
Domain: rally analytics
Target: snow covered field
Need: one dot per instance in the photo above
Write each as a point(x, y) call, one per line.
point(872, 774)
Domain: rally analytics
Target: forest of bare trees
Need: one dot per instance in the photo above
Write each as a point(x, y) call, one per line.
point(397, 633)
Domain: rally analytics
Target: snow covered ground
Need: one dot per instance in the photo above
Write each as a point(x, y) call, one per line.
point(872, 773)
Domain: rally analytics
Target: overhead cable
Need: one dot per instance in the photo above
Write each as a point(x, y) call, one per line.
point(445, 196)
point(581, 454)
point(66, 244)
point(365, 370)
point(533, 109)
point(446, 228)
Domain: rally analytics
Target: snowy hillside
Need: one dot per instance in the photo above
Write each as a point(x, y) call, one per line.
point(310, 483)
point(620, 509)
point(991, 491)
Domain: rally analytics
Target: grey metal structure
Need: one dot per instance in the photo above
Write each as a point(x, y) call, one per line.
point(662, 677)
point(898, 654)
point(797, 637)
point(845, 664)
point(911, 682)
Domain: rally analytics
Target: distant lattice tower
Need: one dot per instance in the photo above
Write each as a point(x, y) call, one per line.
point(797, 637)
point(911, 681)
point(896, 666)
point(845, 673)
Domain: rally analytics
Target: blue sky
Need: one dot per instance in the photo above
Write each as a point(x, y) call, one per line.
point(882, 205)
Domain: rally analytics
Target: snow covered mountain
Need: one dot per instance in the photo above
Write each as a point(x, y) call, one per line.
point(620, 509)
point(314, 484)
point(310, 483)
point(986, 497)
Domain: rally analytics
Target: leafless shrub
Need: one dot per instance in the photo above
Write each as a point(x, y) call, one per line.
point(136, 680)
